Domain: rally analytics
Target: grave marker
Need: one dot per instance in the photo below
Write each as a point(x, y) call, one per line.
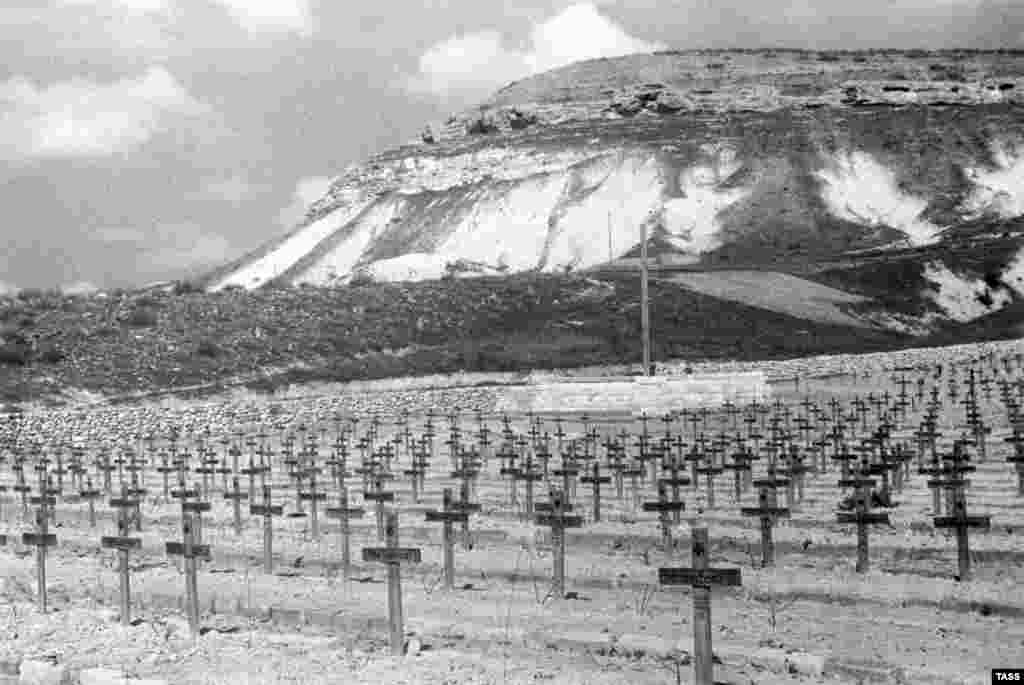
point(123, 543)
point(393, 556)
point(447, 516)
point(596, 480)
point(268, 511)
point(863, 517)
point(190, 551)
point(961, 522)
point(42, 538)
point(702, 579)
point(344, 514)
point(663, 506)
point(557, 518)
point(767, 512)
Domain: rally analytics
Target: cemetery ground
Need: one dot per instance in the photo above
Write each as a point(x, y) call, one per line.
point(810, 617)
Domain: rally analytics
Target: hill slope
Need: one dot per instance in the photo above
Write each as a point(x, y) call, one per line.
point(811, 164)
point(145, 342)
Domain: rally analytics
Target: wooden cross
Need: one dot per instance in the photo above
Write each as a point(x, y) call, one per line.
point(702, 579)
point(42, 538)
point(768, 513)
point(236, 495)
point(190, 551)
point(313, 496)
point(252, 471)
point(709, 472)
point(529, 475)
point(123, 543)
point(268, 511)
point(663, 506)
point(960, 521)
point(380, 497)
point(447, 516)
point(195, 508)
point(596, 480)
point(165, 470)
point(90, 495)
point(555, 516)
point(863, 517)
point(344, 513)
point(393, 556)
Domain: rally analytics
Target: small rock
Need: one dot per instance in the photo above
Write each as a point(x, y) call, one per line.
point(40, 673)
point(413, 646)
point(102, 676)
point(769, 658)
point(176, 625)
point(806, 664)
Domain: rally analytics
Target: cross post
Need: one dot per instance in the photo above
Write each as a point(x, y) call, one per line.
point(702, 579)
point(393, 556)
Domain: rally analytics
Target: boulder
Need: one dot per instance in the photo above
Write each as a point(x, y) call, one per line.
point(34, 672)
point(806, 664)
point(102, 676)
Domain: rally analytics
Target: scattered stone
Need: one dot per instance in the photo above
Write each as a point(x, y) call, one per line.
point(34, 672)
point(806, 664)
point(102, 676)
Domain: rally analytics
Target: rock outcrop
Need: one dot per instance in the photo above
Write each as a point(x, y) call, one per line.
point(820, 165)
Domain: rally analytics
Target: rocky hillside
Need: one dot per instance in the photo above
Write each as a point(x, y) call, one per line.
point(117, 343)
point(829, 167)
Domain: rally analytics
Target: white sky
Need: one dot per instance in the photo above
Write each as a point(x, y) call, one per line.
point(141, 139)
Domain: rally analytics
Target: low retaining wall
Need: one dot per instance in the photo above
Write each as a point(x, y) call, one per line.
point(655, 395)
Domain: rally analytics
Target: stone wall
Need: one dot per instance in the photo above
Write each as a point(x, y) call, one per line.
point(655, 395)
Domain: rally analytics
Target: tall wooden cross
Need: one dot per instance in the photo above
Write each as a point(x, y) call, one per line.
point(664, 507)
point(123, 543)
point(768, 513)
point(447, 516)
point(556, 517)
point(960, 521)
point(702, 579)
point(190, 551)
point(394, 556)
point(42, 537)
point(863, 517)
point(314, 497)
point(268, 510)
point(596, 480)
point(236, 495)
point(344, 514)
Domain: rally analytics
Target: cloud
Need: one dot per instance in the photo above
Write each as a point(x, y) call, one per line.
point(233, 190)
point(259, 16)
point(129, 5)
point(480, 61)
point(187, 245)
point(307, 191)
point(175, 245)
point(84, 118)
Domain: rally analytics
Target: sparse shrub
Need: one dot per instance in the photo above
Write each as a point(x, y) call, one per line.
point(361, 277)
point(141, 317)
point(29, 294)
point(14, 354)
point(185, 288)
point(208, 349)
point(482, 125)
point(50, 353)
